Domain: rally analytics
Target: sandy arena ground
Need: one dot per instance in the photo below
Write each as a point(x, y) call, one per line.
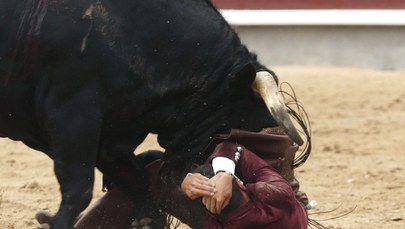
point(358, 127)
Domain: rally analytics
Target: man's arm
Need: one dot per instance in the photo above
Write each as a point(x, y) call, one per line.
point(224, 160)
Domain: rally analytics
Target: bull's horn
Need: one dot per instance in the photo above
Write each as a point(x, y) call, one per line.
point(265, 86)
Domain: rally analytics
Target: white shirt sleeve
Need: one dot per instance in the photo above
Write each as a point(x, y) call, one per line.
point(223, 163)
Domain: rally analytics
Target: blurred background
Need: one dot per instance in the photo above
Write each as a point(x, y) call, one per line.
point(361, 33)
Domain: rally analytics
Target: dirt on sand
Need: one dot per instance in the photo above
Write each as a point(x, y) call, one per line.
point(358, 130)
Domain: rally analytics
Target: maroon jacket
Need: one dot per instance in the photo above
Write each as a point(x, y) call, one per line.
point(272, 201)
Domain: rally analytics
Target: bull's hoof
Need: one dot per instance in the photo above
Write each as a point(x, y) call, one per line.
point(43, 217)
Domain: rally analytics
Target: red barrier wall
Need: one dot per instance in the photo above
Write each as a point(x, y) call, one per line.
point(310, 4)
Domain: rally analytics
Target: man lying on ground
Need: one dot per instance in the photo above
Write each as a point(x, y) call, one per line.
point(242, 185)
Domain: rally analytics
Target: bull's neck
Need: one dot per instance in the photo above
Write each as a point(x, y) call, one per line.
point(190, 141)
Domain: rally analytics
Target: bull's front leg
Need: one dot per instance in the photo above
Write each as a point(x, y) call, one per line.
point(74, 140)
point(76, 184)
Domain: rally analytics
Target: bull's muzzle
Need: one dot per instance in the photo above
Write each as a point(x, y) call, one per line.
point(266, 87)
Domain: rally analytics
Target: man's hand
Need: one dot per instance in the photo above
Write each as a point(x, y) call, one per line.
point(216, 203)
point(197, 185)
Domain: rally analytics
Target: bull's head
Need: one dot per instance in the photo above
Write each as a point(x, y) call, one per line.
point(266, 87)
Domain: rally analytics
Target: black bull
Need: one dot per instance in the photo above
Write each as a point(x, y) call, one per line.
point(86, 81)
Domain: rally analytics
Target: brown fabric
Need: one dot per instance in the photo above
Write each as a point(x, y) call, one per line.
point(263, 144)
point(113, 211)
point(286, 164)
point(274, 130)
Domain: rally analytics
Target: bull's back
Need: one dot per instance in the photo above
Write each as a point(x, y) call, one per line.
point(123, 51)
point(39, 48)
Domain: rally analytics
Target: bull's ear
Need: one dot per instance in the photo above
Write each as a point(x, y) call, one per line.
point(241, 81)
